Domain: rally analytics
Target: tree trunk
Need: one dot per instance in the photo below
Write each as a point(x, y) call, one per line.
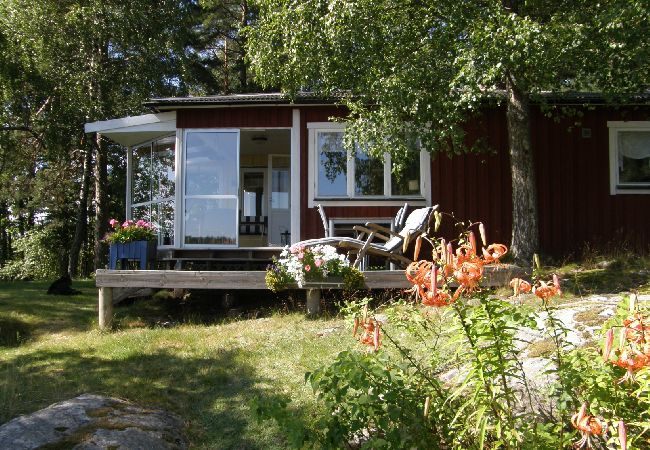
point(4, 234)
point(243, 75)
point(82, 214)
point(101, 202)
point(525, 228)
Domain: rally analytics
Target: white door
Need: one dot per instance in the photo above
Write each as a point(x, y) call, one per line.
point(211, 187)
point(279, 200)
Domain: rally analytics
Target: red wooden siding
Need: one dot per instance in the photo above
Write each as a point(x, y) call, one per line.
point(575, 207)
point(235, 117)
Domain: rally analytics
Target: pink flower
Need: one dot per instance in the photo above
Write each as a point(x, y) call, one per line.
point(318, 262)
point(307, 267)
point(113, 222)
point(141, 223)
point(301, 255)
point(127, 223)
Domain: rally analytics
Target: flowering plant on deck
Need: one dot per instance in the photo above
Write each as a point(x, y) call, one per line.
point(299, 264)
point(131, 231)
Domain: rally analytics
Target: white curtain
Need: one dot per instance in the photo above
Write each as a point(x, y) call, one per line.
point(634, 144)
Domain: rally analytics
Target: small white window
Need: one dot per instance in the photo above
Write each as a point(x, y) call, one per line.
point(336, 176)
point(629, 157)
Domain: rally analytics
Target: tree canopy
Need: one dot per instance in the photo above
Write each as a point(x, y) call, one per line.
point(423, 68)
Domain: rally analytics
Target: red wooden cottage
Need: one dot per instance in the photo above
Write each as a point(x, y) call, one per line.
point(246, 171)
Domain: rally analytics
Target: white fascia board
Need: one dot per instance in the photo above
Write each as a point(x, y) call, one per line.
point(155, 121)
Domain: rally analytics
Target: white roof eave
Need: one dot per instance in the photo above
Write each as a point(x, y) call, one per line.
point(129, 131)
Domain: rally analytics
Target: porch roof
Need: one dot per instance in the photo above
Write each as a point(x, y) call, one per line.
point(129, 131)
point(258, 99)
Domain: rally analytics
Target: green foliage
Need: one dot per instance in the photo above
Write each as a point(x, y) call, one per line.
point(37, 256)
point(401, 67)
point(320, 263)
point(131, 231)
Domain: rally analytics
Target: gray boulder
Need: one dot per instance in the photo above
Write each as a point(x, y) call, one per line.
point(93, 422)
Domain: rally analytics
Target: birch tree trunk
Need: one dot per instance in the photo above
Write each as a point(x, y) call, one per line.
point(525, 227)
point(101, 202)
point(82, 214)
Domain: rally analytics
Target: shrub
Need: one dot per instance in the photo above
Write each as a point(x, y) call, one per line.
point(462, 384)
point(36, 256)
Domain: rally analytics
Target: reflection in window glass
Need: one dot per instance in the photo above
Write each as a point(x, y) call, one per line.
point(406, 179)
point(162, 168)
point(153, 186)
point(141, 177)
point(210, 221)
point(634, 158)
point(141, 213)
point(332, 167)
point(368, 174)
point(211, 163)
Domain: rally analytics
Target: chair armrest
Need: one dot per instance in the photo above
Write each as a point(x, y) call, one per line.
point(381, 229)
point(364, 232)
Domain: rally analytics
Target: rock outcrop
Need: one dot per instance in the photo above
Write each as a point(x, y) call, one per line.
point(93, 422)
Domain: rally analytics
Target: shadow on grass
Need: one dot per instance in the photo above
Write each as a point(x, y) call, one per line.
point(212, 394)
point(13, 331)
point(49, 313)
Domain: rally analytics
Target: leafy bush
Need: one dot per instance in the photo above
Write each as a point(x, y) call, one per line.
point(298, 265)
point(452, 376)
point(36, 256)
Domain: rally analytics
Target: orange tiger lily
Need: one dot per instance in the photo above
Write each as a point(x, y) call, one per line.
point(588, 426)
point(520, 286)
point(493, 252)
point(370, 335)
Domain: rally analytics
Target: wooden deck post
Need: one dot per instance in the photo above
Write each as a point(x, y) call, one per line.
point(105, 307)
point(313, 302)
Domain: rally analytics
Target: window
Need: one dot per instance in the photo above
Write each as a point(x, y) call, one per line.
point(629, 157)
point(153, 186)
point(337, 175)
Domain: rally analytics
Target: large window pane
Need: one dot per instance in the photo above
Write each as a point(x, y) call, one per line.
point(368, 174)
point(162, 164)
point(634, 157)
point(405, 175)
point(210, 221)
point(141, 176)
point(211, 163)
point(332, 167)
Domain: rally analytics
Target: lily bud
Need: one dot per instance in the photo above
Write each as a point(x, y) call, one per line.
point(609, 340)
point(427, 405)
point(434, 280)
point(633, 300)
point(481, 230)
point(418, 245)
point(472, 242)
point(622, 434)
point(375, 336)
point(355, 327)
point(556, 283)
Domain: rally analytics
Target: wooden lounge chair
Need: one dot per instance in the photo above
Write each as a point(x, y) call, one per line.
point(393, 242)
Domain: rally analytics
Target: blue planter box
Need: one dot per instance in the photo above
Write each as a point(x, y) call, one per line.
point(142, 251)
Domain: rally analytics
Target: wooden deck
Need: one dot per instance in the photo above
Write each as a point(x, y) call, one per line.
point(108, 280)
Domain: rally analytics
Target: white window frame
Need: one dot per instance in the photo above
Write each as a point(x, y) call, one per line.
point(183, 175)
point(424, 199)
point(614, 128)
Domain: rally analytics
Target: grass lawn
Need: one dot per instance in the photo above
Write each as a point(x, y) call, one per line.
point(187, 357)
point(206, 370)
